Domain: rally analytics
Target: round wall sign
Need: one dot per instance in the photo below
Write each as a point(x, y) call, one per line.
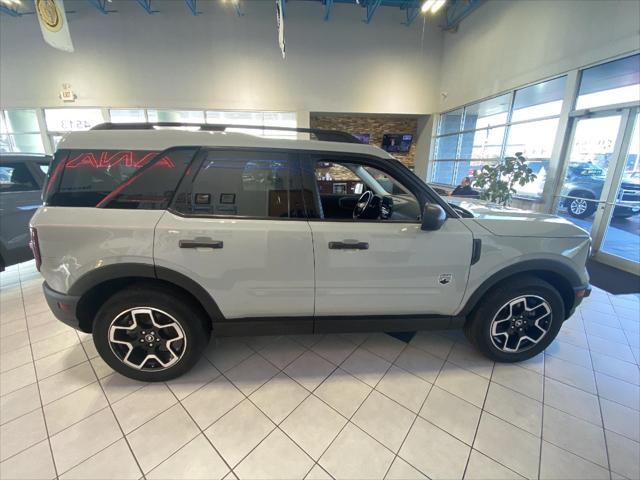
point(49, 14)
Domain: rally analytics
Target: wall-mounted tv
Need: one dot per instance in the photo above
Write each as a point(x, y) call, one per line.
point(363, 137)
point(397, 142)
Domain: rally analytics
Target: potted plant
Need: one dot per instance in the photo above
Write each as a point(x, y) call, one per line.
point(496, 182)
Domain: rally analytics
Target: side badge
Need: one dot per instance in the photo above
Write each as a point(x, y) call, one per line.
point(445, 278)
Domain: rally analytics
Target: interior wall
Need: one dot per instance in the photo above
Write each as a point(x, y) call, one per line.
point(375, 125)
point(218, 60)
point(506, 44)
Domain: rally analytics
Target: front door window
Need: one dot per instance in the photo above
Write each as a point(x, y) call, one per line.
point(357, 192)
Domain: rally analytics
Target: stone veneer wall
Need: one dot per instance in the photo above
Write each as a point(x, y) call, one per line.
point(375, 125)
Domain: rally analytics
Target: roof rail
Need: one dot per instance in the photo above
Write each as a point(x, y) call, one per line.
point(320, 134)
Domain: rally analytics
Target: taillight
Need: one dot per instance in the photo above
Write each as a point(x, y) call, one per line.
point(35, 247)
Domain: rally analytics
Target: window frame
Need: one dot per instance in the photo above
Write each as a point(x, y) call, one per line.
point(295, 179)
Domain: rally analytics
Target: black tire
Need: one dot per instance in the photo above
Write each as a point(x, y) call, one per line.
point(478, 326)
point(581, 207)
point(168, 308)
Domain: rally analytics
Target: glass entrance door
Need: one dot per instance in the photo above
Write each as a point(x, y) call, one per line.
point(601, 171)
point(621, 242)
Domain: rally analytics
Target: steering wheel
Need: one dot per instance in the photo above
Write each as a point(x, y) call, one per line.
point(363, 204)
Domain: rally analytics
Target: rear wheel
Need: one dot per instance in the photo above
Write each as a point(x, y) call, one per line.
point(150, 333)
point(516, 320)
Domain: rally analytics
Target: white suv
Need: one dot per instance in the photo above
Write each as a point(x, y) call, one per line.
point(154, 239)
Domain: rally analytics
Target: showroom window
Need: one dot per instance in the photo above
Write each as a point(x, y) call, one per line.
point(63, 120)
point(20, 132)
point(525, 120)
point(610, 83)
point(128, 115)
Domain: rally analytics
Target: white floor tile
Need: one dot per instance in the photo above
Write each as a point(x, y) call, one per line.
point(481, 467)
point(558, 464)
point(452, 414)
point(35, 463)
point(575, 435)
point(405, 388)
point(277, 457)
point(494, 438)
point(354, 454)
point(143, 405)
point(197, 460)
point(434, 452)
point(313, 426)
point(624, 455)
point(159, 438)
point(385, 420)
point(420, 363)
point(84, 439)
point(309, 370)
point(21, 433)
point(19, 402)
point(366, 366)
point(279, 397)
point(116, 462)
point(74, 407)
point(212, 401)
point(343, 392)
point(515, 408)
point(251, 374)
point(202, 373)
point(401, 470)
point(239, 431)
point(463, 383)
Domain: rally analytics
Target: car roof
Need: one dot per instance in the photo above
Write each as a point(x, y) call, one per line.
point(162, 139)
point(24, 157)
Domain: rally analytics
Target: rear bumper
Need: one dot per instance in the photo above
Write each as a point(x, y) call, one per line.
point(63, 306)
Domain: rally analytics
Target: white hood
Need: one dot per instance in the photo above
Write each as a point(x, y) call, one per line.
point(515, 222)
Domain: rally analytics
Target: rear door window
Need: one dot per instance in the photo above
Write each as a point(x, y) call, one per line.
point(16, 177)
point(255, 184)
point(138, 179)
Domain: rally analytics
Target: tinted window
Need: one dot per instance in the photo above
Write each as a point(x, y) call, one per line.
point(244, 184)
point(115, 179)
point(15, 177)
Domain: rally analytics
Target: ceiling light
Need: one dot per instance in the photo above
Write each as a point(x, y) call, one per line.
point(427, 5)
point(437, 5)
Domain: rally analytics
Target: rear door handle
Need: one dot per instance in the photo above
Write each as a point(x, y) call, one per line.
point(200, 244)
point(349, 245)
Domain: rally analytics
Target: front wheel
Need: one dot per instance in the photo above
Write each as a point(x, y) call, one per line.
point(517, 320)
point(581, 208)
point(150, 333)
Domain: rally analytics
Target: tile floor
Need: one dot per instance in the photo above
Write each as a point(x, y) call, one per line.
point(341, 406)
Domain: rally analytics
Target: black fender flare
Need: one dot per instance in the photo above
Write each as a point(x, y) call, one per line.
point(141, 270)
point(528, 266)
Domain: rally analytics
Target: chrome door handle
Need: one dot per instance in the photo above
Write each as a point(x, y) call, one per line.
point(200, 244)
point(349, 245)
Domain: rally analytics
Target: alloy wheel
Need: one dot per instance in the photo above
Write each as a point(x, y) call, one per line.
point(578, 206)
point(521, 323)
point(147, 339)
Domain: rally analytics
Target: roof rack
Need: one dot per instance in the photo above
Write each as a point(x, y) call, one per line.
point(320, 134)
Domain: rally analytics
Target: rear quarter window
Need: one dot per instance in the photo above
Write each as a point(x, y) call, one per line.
point(126, 179)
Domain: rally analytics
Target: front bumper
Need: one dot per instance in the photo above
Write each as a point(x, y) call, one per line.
point(581, 292)
point(63, 306)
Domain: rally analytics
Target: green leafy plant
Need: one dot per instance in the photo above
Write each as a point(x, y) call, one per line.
point(496, 182)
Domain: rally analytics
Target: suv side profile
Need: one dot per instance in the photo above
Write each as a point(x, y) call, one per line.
point(155, 239)
point(585, 183)
point(21, 179)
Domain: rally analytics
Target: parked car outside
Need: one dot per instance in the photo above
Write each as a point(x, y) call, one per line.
point(21, 180)
point(585, 182)
point(154, 240)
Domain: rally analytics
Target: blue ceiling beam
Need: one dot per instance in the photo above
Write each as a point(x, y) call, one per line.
point(372, 6)
point(236, 4)
point(101, 5)
point(12, 12)
point(412, 14)
point(457, 11)
point(146, 4)
point(193, 6)
point(327, 9)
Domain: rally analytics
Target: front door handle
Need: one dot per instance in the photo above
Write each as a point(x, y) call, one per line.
point(349, 245)
point(200, 244)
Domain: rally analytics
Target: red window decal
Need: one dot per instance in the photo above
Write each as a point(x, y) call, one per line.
point(131, 159)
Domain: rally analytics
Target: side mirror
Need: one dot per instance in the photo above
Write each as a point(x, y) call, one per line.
point(433, 216)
